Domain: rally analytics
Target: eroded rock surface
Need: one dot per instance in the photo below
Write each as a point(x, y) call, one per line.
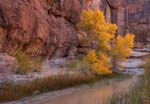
point(138, 19)
point(41, 27)
point(47, 27)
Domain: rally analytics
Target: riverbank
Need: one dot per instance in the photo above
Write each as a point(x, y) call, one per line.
point(14, 86)
point(41, 98)
point(38, 83)
point(138, 94)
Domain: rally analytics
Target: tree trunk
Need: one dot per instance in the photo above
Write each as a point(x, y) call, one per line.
point(115, 65)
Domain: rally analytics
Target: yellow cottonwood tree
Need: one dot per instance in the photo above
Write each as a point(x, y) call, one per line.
point(102, 33)
point(122, 48)
point(99, 64)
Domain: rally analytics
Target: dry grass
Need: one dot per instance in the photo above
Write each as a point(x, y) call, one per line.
point(134, 96)
point(11, 91)
point(139, 94)
point(147, 81)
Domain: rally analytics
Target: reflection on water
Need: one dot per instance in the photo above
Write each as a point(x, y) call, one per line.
point(95, 95)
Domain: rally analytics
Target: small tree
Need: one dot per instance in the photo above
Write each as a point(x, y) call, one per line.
point(101, 33)
point(122, 48)
point(24, 62)
point(37, 64)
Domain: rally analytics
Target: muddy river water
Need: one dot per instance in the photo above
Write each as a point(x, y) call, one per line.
point(103, 94)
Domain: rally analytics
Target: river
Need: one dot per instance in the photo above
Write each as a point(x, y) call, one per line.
point(94, 95)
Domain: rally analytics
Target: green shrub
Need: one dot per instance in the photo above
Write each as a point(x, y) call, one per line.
point(77, 65)
point(84, 41)
point(24, 62)
point(37, 64)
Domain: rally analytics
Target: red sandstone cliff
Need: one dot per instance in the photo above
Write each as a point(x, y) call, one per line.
point(138, 19)
point(42, 27)
point(47, 27)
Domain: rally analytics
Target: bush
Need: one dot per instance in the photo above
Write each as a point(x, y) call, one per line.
point(98, 66)
point(37, 64)
point(24, 62)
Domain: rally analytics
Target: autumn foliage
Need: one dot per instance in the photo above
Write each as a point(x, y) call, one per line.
point(108, 46)
point(122, 46)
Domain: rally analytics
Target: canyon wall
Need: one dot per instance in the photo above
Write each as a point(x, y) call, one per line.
point(114, 10)
point(39, 27)
point(131, 16)
point(138, 19)
point(47, 27)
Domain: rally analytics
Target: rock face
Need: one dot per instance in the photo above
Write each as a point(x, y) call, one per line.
point(114, 11)
point(47, 27)
point(138, 19)
point(131, 16)
point(41, 27)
